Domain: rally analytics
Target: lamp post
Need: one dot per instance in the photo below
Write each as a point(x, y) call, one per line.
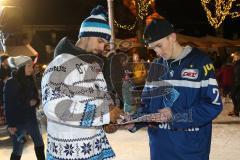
point(111, 23)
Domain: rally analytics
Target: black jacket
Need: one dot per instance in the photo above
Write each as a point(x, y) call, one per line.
point(4, 73)
point(17, 101)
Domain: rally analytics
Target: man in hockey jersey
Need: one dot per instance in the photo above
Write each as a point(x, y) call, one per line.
point(186, 133)
point(75, 97)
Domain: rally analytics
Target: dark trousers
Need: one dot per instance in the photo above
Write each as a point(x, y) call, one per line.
point(30, 127)
point(236, 100)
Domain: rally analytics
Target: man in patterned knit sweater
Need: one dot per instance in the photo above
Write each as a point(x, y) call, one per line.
point(75, 97)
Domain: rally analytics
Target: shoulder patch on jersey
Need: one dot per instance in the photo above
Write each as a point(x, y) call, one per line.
point(189, 73)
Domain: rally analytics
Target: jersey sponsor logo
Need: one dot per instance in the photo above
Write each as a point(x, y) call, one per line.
point(164, 126)
point(189, 73)
point(207, 68)
point(167, 126)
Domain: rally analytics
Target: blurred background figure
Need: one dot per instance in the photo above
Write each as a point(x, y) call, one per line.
point(38, 71)
point(236, 90)
point(217, 62)
point(139, 70)
point(5, 70)
point(135, 76)
point(225, 76)
point(4, 75)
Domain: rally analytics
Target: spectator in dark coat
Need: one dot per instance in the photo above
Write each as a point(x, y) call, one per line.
point(225, 76)
point(236, 90)
point(4, 75)
point(20, 101)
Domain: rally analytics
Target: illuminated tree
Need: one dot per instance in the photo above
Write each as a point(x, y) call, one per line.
point(217, 13)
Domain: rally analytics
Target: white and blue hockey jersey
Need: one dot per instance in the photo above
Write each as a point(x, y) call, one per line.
point(197, 103)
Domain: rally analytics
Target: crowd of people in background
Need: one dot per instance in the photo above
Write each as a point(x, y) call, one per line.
point(228, 76)
point(5, 73)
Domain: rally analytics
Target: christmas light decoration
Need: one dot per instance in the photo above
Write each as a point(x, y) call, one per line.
point(126, 26)
point(236, 14)
point(142, 11)
point(222, 9)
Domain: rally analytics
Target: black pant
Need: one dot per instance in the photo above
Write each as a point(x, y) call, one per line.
point(31, 127)
point(236, 100)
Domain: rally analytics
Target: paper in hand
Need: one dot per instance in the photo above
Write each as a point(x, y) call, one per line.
point(155, 117)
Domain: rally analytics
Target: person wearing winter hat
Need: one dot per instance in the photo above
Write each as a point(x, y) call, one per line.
point(186, 122)
point(19, 61)
point(5, 72)
point(75, 97)
point(20, 101)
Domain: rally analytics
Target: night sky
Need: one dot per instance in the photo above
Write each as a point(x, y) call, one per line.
point(187, 15)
